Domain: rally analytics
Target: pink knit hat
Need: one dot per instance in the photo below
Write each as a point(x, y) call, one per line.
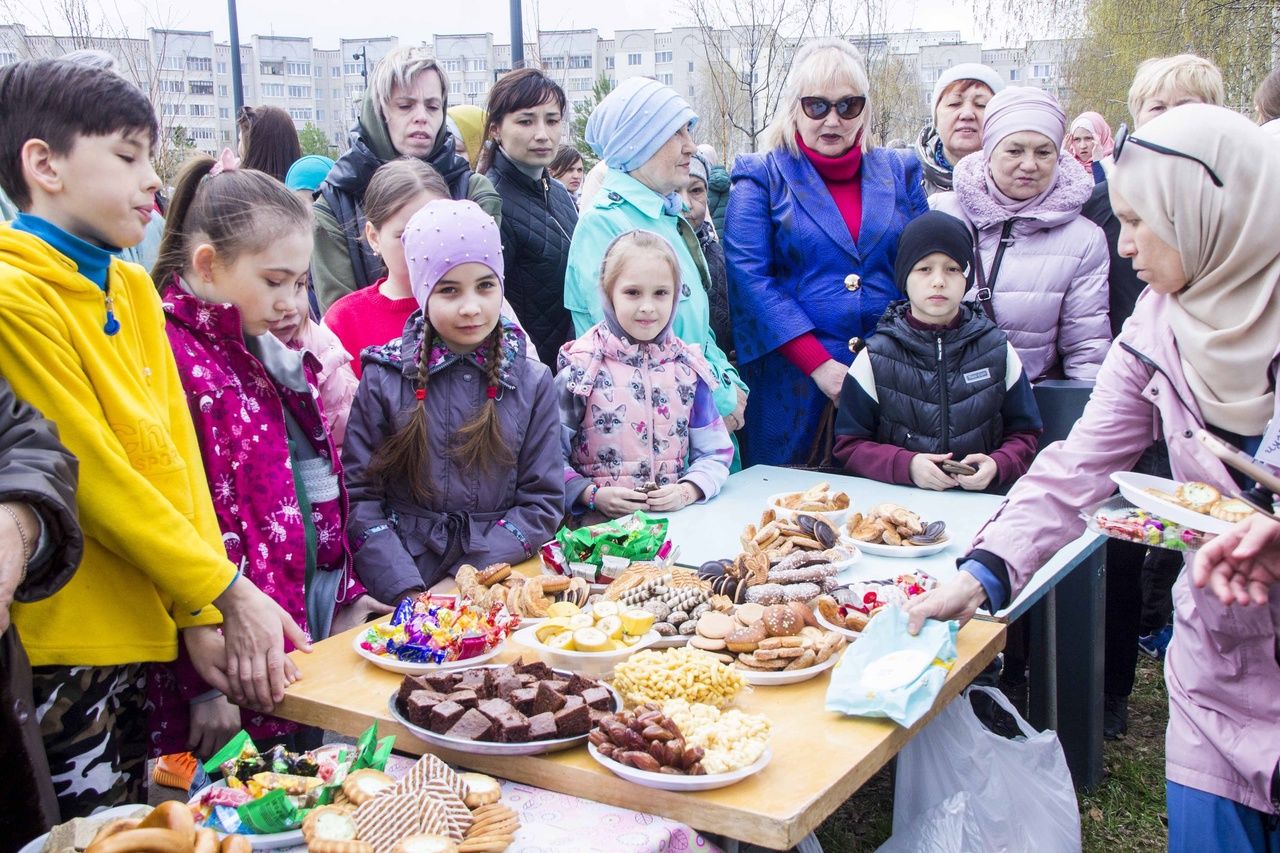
point(444, 234)
point(1021, 108)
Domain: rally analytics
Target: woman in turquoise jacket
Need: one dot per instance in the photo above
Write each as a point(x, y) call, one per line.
point(641, 130)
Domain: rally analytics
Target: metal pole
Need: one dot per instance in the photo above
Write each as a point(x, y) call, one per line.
point(517, 36)
point(237, 88)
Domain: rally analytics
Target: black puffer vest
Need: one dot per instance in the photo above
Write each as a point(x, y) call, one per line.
point(538, 218)
point(940, 392)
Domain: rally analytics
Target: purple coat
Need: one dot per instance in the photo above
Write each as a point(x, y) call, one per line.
point(1221, 669)
point(473, 516)
point(1051, 295)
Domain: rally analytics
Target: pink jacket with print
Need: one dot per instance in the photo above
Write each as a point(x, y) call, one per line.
point(337, 380)
point(1222, 672)
point(1050, 296)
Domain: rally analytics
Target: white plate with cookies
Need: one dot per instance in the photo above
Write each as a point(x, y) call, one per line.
point(1164, 497)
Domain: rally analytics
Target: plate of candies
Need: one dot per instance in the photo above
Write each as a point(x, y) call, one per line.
point(430, 632)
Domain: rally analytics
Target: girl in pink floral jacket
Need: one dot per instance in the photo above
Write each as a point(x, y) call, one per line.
point(638, 425)
point(235, 254)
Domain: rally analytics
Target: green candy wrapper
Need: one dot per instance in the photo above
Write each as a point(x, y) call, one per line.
point(273, 813)
point(233, 749)
point(636, 537)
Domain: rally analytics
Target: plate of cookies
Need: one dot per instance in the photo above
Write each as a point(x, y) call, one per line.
point(530, 598)
point(819, 501)
point(1198, 506)
point(769, 646)
point(891, 530)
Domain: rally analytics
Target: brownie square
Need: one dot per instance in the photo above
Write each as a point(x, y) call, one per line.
point(547, 699)
point(537, 669)
point(512, 728)
point(557, 684)
point(505, 685)
point(523, 698)
point(472, 726)
point(465, 698)
point(444, 715)
point(542, 726)
point(597, 716)
point(410, 684)
point(443, 682)
point(495, 708)
point(472, 679)
point(527, 680)
point(577, 685)
point(573, 701)
point(571, 722)
point(599, 698)
point(418, 707)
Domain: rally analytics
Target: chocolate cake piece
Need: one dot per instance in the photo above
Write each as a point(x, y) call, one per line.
point(547, 699)
point(577, 684)
point(495, 708)
point(536, 668)
point(472, 679)
point(505, 685)
point(557, 684)
point(465, 697)
point(444, 715)
point(512, 728)
point(599, 698)
point(419, 705)
point(523, 698)
point(597, 716)
point(542, 726)
point(488, 690)
point(472, 726)
point(442, 682)
point(571, 722)
point(527, 680)
point(410, 684)
point(573, 701)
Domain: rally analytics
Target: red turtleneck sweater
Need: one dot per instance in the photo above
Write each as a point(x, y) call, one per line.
point(840, 175)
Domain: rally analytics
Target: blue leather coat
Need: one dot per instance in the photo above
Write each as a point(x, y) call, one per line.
point(794, 268)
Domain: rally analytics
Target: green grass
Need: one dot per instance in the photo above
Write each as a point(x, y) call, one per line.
point(1124, 815)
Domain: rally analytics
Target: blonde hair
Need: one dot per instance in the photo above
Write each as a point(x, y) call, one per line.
point(819, 63)
point(398, 69)
point(1186, 72)
point(629, 245)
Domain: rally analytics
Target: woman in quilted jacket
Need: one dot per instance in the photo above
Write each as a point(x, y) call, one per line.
point(1041, 266)
point(638, 421)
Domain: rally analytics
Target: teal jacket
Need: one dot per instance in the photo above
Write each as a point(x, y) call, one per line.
point(624, 204)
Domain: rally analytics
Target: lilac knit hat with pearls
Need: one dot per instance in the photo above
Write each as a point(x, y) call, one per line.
point(444, 234)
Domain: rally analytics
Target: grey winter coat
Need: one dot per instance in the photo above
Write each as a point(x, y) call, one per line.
point(473, 516)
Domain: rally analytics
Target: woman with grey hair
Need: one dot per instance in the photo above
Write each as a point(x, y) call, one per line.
point(811, 236)
point(403, 116)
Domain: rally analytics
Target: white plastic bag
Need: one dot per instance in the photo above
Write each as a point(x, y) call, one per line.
point(1019, 795)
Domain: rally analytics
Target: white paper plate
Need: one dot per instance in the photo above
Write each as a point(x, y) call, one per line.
point(760, 678)
point(1132, 486)
point(596, 665)
point(408, 668)
point(271, 841)
point(670, 782)
point(37, 844)
point(903, 551)
point(835, 516)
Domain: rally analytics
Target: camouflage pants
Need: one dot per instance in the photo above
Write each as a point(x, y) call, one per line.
point(95, 734)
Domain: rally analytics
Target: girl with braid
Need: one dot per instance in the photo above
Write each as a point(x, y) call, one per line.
point(451, 453)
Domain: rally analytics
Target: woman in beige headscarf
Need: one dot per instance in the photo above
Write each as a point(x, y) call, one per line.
point(1194, 191)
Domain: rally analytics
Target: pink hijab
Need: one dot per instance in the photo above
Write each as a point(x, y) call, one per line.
point(1104, 143)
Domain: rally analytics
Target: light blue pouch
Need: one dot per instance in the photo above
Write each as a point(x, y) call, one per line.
point(889, 673)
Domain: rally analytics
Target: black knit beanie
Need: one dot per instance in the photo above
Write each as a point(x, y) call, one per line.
point(932, 232)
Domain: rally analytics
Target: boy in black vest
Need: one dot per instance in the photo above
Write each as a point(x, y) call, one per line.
point(938, 397)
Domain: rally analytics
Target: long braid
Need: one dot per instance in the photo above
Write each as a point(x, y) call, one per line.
point(407, 453)
point(481, 442)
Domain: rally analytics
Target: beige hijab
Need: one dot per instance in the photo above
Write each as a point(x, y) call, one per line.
point(1227, 320)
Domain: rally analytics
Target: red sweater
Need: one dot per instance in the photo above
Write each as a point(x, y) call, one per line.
point(366, 318)
point(841, 177)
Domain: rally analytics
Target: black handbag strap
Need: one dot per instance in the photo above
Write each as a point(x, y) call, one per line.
point(987, 283)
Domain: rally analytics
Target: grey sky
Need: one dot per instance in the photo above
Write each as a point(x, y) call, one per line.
point(328, 20)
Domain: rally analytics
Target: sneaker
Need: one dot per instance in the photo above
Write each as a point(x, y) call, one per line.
point(1155, 645)
point(1115, 716)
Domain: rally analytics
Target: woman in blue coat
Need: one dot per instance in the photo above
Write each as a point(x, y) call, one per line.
point(802, 290)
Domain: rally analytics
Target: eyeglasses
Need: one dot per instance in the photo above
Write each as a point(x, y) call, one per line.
point(847, 108)
point(1123, 137)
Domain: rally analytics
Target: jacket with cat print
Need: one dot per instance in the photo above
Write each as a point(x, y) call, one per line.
point(633, 413)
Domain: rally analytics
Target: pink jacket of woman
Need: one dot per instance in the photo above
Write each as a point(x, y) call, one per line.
point(1221, 669)
point(1050, 296)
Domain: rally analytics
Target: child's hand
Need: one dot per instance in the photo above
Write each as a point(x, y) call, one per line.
point(213, 723)
point(615, 501)
point(358, 612)
point(674, 497)
point(926, 474)
point(986, 472)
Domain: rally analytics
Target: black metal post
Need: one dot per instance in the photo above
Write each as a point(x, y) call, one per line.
point(237, 87)
point(517, 36)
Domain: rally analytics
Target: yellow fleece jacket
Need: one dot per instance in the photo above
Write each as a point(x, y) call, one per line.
point(153, 556)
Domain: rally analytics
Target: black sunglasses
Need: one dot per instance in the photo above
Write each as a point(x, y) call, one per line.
point(1123, 136)
point(847, 108)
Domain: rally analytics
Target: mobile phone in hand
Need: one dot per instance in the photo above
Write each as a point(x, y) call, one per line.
point(958, 468)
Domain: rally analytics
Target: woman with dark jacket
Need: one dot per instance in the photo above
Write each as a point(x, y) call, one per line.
point(526, 120)
point(811, 236)
point(402, 116)
point(40, 547)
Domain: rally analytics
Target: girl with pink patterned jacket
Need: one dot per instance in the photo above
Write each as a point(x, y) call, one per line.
point(638, 425)
point(235, 255)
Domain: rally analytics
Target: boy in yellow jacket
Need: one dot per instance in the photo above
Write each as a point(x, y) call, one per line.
point(82, 339)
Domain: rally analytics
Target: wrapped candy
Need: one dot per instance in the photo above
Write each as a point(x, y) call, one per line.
point(636, 537)
point(437, 629)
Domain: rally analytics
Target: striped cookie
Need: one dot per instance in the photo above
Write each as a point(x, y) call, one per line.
point(456, 811)
point(384, 820)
